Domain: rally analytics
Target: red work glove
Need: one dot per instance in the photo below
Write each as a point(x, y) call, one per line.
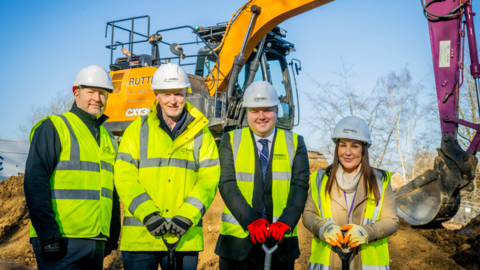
point(258, 230)
point(278, 230)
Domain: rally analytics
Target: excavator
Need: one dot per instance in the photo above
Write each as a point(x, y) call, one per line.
point(251, 46)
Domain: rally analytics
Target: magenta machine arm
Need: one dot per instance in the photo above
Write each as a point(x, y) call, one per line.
point(434, 196)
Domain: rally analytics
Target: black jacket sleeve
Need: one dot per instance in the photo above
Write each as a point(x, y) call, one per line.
point(115, 224)
point(42, 159)
point(297, 196)
point(231, 194)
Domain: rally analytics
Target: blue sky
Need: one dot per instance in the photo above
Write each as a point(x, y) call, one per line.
point(45, 43)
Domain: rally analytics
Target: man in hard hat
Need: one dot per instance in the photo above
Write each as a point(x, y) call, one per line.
point(264, 184)
point(167, 173)
point(69, 187)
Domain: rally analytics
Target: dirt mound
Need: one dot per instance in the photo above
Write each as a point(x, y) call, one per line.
point(463, 245)
point(15, 248)
point(409, 248)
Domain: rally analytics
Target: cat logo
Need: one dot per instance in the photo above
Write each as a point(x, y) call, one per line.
point(136, 112)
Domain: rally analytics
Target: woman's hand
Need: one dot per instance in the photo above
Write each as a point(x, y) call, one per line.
point(355, 236)
point(333, 235)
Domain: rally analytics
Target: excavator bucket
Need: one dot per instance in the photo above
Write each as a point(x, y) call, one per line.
point(434, 196)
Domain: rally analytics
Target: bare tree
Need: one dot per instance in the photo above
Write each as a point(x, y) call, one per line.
point(333, 102)
point(61, 102)
point(400, 97)
point(423, 156)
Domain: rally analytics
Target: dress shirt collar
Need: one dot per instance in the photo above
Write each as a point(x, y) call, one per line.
point(269, 137)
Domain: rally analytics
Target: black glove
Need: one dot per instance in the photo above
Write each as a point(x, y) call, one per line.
point(157, 225)
point(179, 225)
point(109, 247)
point(54, 251)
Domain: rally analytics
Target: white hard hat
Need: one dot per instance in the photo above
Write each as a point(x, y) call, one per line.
point(93, 76)
point(170, 76)
point(260, 94)
point(352, 127)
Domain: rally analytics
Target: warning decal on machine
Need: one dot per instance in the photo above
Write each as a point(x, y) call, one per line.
point(444, 53)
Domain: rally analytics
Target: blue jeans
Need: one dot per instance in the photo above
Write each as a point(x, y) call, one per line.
point(150, 260)
point(82, 254)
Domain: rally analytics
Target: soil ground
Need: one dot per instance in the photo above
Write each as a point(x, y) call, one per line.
point(451, 247)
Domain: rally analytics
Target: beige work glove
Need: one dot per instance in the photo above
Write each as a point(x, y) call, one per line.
point(355, 236)
point(333, 235)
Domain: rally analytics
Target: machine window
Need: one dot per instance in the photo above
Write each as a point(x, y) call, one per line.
point(278, 82)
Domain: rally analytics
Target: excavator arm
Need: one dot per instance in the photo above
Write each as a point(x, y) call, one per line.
point(251, 26)
point(434, 196)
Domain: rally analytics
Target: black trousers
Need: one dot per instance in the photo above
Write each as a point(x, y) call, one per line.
point(82, 254)
point(255, 261)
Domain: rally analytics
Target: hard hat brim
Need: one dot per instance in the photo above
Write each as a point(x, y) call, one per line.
point(106, 88)
point(158, 87)
point(251, 105)
point(367, 142)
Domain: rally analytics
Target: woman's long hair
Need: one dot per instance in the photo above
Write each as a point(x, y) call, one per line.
point(368, 173)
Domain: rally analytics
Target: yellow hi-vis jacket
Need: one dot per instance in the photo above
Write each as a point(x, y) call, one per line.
point(374, 256)
point(82, 184)
point(155, 174)
point(243, 149)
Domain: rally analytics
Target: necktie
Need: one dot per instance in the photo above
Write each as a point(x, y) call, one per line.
point(264, 164)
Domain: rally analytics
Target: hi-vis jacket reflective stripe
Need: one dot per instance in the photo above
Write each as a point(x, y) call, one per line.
point(155, 174)
point(375, 255)
point(82, 184)
point(244, 157)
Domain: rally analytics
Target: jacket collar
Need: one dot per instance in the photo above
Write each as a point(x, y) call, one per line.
point(195, 126)
point(87, 118)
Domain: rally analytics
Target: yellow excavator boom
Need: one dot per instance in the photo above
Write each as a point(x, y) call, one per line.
point(272, 13)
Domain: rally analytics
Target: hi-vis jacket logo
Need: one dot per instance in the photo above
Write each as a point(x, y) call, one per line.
point(279, 156)
point(349, 130)
point(258, 99)
point(107, 149)
point(136, 112)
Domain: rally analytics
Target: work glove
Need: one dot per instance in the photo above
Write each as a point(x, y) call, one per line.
point(333, 235)
point(54, 251)
point(278, 229)
point(179, 225)
point(157, 225)
point(109, 247)
point(258, 230)
point(355, 236)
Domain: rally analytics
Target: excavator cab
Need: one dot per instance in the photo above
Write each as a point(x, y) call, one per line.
point(132, 75)
point(273, 68)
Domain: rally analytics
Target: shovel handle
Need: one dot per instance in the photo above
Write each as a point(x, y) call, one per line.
point(171, 252)
point(268, 254)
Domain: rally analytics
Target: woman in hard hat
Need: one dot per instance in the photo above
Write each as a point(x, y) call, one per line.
point(350, 204)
